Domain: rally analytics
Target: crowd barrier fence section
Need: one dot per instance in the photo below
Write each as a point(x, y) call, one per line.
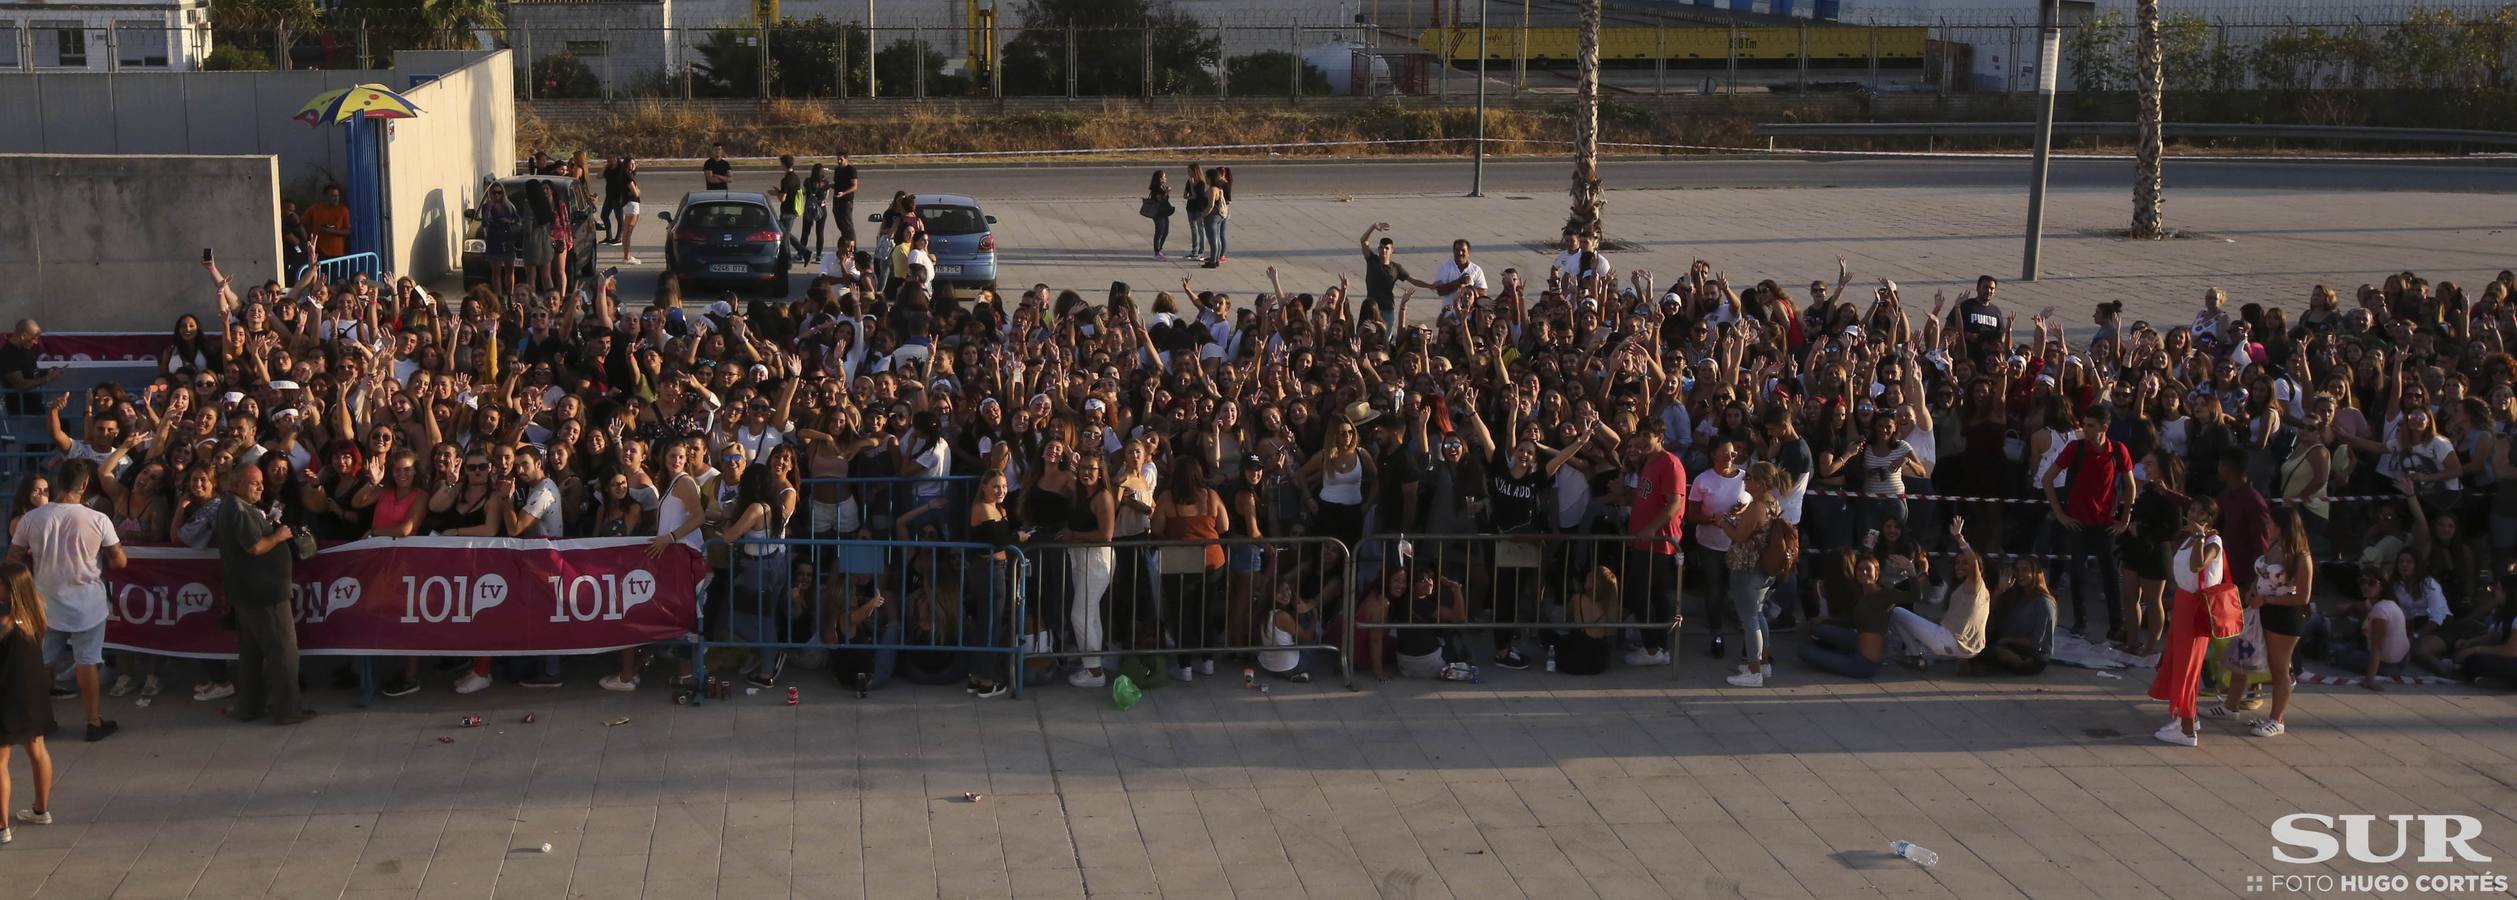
point(927, 612)
point(1191, 601)
point(1524, 590)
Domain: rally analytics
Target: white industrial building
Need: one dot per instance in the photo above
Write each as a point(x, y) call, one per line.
point(103, 35)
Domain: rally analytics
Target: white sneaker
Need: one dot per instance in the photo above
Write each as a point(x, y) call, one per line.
point(1206, 667)
point(2270, 728)
point(123, 686)
point(32, 817)
point(7, 835)
point(1184, 674)
point(471, 683)
point(613, 682)
point(1747, 679)
point(2175, 735)
point(214, 691)
point(1084, 678)
point(150, 687)
point(1642, 657)
point(633, 261)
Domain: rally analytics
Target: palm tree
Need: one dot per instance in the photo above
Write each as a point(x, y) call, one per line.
point(1585, 191)
point(451, 24)
point(2148, 200)
point(277, 18)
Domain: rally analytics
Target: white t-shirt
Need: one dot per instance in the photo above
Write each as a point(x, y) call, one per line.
point(541, 501)
point(935, 463)
point(2397, 643)
point(63, 541)
point(2182, 568)
point(1451, 270)
point(1717, 494)
point(2422, 459)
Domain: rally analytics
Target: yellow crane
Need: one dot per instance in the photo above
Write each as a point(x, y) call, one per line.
point(978, 34)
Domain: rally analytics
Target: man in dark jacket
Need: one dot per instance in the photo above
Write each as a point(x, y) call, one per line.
point(257, 555)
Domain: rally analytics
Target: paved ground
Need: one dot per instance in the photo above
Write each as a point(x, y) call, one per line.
point(1638, 784)
point(2266, 231)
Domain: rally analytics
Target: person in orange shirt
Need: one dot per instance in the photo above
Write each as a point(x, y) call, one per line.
point(330, 221)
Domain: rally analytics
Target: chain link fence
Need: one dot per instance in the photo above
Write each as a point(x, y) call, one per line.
point(581, 51)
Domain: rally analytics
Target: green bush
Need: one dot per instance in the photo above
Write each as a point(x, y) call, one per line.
point(236, 59)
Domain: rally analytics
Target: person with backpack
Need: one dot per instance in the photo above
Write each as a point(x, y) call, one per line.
point(1756, 530)
point(2101, 498)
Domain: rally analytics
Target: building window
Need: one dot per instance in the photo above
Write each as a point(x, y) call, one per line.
point(140, 44)
point(584, 49)
point(60, 45)
point(8, 46)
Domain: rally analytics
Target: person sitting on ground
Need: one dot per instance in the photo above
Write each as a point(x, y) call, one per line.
point(1585, 648)
point(1960, 632)
point(1857, 651)
point(2384, 641)
point(2493, 654)
point(2021, 641)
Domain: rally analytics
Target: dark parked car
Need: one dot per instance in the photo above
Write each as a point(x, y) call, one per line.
point(581, 251)
point(962, 237)
point(727, 238)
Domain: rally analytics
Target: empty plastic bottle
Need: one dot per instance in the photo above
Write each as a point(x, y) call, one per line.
point(1921, 856)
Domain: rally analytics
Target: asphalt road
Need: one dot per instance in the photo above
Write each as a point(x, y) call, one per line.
point(1547, 176)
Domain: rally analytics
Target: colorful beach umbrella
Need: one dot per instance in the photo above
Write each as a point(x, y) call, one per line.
point(373, 101)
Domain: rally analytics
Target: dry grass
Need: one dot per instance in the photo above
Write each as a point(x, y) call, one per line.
point(681, 130)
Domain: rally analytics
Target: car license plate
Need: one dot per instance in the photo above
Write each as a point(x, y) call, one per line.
point(947, 270)
point(734, 268)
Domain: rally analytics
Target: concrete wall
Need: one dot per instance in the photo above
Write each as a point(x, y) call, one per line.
point(434, 163)
point(208, 113)
point(113, 243)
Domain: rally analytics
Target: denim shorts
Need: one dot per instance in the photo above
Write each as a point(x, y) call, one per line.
point(86, 648)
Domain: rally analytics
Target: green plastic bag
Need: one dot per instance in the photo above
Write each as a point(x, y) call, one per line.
point(1124, 693)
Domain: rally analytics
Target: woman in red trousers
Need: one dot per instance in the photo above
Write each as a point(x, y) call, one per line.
point(2199, 564)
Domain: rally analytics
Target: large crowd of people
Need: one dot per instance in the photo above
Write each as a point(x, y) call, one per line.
point(1906, 480)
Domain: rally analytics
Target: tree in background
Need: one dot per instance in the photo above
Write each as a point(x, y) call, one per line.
point(272, 22)
point(1269, 73)
point(807, 58)
point(1586, 198)
point(2149, 202)
point(393, 25)
point(561, 76)
point(1112, 41)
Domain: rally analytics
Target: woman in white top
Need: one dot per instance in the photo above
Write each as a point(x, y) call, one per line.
point(677, 522)
point(2417, 452)
point(1343, 474)
point(1960, 632)
point(2199, 564)
point(1292, 621)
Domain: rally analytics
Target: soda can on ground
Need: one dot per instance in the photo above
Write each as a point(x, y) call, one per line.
point(794, 696)
point(471, 721)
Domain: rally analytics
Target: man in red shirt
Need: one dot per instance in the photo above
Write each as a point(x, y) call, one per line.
point(1659, 482)
point(2098, 509)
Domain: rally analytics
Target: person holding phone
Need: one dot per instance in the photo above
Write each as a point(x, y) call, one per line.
point(20, 370)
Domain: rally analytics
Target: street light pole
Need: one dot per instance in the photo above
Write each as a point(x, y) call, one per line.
point(2048, 64)
point(1477, 174)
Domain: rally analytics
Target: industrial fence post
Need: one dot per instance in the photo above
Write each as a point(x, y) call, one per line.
point(1660, 56)
point(1730, 78)
point(1293, 55)
point(917, 58)
point(1801, 60)
point(1070, 60)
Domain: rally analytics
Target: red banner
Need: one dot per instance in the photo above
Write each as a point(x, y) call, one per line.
point(440, 596)
point(105, 346)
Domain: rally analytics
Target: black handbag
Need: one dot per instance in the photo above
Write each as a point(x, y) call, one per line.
point(1152, 208)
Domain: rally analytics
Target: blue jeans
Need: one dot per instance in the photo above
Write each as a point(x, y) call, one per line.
point(1216, 239)
point(1650, 583)
point(1837, 649)
point(1197, 235)
point(1162, 232)
point(759, 603)
point(1749, 589)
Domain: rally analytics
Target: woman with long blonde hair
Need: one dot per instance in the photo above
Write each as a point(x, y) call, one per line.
point(25, 710)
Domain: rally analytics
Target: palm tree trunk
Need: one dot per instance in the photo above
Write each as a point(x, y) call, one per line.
point(1585, 190)
point(2148, 200)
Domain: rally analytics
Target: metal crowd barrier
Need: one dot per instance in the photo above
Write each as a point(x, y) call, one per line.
point(1518, 587)
point(1182, 600)
point(340, 268)
point(937, 508)
point(929, 612)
